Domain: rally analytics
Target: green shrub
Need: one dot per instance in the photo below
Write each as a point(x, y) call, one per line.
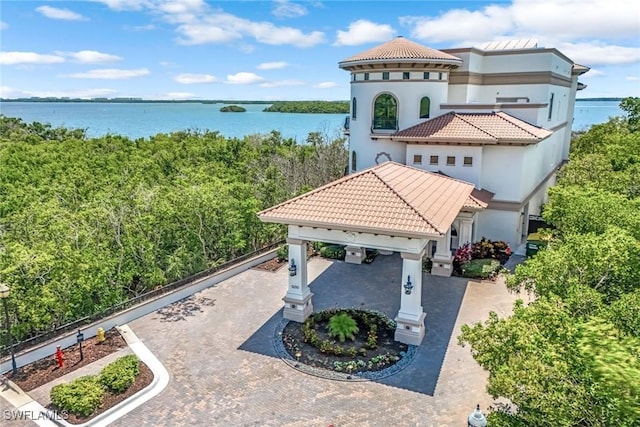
point(333, 252)
point(481, 268)
point(119, 375)
point(283, 253)
point(342, 326)
point(81, 396)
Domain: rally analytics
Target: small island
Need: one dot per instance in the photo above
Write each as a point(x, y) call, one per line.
point(312, 107)
point(232, 109)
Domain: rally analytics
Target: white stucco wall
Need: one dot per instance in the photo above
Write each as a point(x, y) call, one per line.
point(408, 94)
point(465, 173)
point(498, 225)
point(502, 171)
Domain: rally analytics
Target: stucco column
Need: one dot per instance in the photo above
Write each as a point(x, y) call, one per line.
point(466, 231)
point(410, 319)
point(297, 301)
point(443, 260)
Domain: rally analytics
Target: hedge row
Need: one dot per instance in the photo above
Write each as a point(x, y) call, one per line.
point(84, 395)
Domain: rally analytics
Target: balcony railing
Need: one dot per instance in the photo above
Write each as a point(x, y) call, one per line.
point(384, 124)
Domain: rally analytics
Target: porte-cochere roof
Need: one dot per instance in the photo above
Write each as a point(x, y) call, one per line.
point(389, 198)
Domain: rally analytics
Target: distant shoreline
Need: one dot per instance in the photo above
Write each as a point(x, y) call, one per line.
point(196, 101)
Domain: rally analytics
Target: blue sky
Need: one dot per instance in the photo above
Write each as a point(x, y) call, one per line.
point(192, 49)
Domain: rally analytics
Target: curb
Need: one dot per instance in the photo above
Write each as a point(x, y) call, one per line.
point(35, 412)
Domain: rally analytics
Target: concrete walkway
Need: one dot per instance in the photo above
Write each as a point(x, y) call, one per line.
point(223, 370)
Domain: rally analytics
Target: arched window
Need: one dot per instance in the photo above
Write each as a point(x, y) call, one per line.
point(425, 106)
point(354, 106)
point(354, 162)
point(385, 112)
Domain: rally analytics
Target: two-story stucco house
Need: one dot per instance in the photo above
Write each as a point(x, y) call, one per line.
point(498, 116)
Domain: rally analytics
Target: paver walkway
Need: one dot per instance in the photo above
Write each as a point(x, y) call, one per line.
point(217, 348)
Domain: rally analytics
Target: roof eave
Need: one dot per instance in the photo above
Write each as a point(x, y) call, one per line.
point(479, 141)
point(347, 64)
point(357, 229)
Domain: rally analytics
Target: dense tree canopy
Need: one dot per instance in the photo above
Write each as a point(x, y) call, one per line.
point(87, 223)
point(328, 107)
point(572, 357)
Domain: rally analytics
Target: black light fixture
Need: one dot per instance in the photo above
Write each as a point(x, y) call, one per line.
point(79, 339)
point(408, 286)
point(293, 270)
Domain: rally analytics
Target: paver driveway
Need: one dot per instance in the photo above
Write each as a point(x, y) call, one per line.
point(217, 347)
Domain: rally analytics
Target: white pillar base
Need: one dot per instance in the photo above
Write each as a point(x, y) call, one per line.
point(355, 254)
point(409, 331)
point(297, 308)
point(442, 265)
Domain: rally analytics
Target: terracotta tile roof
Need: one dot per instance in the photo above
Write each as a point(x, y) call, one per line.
point(403, 49)
point(478, 199)
point(484, 128)
point(389, 198)
point(579, 69)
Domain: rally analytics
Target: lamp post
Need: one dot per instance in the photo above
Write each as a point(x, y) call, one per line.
point(4, 295)
point(80, 338)
point(477, 418)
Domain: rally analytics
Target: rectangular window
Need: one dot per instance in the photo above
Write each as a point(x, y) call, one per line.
point(550, 108)
point(366, 76)
point(417, 159)
point(385, 75)
point(451, 160)
point(425, 75)
point(433, 160)
point(440, 76)
point(468, 161)
point(354, 77)
point(405, 76)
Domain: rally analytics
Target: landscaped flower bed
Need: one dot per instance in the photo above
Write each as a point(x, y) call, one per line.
point(344, 340)
point(482, 259)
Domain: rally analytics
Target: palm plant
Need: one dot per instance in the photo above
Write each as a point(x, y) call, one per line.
point(342, 326)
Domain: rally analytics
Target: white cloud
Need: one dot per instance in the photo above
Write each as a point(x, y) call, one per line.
point(325, 85)
point(63, 14)
point(272, 65)
point(244, 78)
point(178, 95)
point(632, 78)
point(3, 25)
point(148, 27)
point(286, 9)
point(363, 31)
point(281, 83)
point(593, 73)
point(563, 19)
point(577, 18)
point(13, 58)
point(121, 5)
point(9, 92)
point(188, 78)
point(194, 34)
point(110, 74)
point(461, 24)
point(91, 57)
point(598, 53)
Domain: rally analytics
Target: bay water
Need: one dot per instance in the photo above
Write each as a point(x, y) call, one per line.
point(140, 120)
